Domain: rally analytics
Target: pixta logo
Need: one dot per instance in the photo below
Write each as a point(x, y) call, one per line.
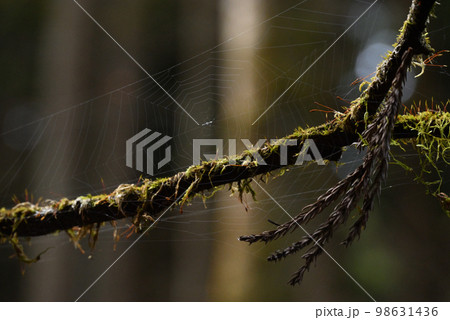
point(147, 145)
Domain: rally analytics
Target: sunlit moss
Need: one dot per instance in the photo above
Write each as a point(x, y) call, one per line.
point(432, 144)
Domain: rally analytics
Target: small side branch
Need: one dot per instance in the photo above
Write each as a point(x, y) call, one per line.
point(412, 35)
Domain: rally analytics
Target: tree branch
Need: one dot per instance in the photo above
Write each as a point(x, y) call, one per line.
point(412, 35)
point(152, 197)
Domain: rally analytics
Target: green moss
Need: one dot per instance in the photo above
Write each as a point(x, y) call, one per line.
point(432, 145)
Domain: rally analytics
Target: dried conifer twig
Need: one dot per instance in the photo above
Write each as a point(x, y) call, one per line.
point(366, 179)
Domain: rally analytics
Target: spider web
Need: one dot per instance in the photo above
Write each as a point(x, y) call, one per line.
point(80, 149)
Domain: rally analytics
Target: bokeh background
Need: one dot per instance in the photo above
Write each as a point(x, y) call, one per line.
point(70, 98)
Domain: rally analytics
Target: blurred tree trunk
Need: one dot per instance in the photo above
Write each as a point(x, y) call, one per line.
point(231, 275)
point(197, 33)
point(61, 79)
point(74, 68)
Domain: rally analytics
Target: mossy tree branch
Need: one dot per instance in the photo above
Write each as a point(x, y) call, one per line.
point(413, 35)
point(152, 197)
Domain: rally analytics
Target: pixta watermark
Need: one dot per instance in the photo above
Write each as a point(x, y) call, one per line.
point(308, 148)
point(151, 151)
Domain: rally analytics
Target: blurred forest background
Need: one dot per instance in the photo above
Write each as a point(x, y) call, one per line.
point(69, 99)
